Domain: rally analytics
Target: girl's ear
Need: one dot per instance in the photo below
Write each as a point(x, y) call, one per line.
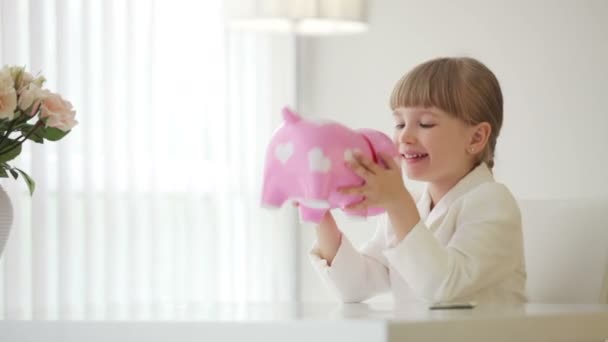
point(479, 137)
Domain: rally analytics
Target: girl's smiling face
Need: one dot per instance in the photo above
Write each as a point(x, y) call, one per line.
point(434, 146)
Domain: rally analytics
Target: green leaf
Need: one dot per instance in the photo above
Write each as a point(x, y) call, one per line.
point(3, 173)
point(10, 154)
point(30, 182)
point(14, 173)
point(25, 127)
point(54, 134)
point(4, 124)
point(36, 136)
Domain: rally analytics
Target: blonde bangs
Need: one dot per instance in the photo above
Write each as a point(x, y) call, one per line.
point(461, 87)
point(432, 84)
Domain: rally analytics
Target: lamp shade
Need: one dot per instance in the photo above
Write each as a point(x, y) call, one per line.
point(306, 17)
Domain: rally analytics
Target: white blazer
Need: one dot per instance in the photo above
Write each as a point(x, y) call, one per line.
point(468, 248)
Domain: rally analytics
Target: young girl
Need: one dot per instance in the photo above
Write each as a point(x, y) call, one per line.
point(462, 239)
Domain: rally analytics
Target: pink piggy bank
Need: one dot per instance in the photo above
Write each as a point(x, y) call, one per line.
point(305, 162)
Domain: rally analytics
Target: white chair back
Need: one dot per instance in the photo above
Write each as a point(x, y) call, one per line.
point(566, 246)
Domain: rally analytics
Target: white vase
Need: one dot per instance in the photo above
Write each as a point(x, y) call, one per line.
point(6, 218)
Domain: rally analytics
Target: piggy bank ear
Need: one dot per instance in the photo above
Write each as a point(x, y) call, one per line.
point(290, 116)
point(380, 141)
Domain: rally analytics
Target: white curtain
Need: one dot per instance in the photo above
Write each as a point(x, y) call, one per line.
point(152, 201)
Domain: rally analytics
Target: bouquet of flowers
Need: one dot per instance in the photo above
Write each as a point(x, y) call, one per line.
point(28, 112)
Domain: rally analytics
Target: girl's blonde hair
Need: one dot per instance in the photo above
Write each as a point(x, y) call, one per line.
point(462, 87)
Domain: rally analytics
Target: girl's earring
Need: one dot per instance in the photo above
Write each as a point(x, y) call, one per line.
point(472, 150)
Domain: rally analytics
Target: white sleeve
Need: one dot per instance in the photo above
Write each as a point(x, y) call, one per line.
point(486, 246)
point(355, 275)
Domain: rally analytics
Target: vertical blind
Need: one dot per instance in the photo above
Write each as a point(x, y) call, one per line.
point(152, 201)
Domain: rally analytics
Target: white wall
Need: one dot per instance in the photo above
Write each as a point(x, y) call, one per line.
point(550, 56)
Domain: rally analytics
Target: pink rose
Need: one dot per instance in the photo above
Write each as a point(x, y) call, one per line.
point(58, 112)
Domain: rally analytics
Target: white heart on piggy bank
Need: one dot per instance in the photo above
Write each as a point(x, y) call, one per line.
point(317, 161)
point(283, 152)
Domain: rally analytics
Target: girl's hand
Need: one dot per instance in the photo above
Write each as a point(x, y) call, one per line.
point(383, 185)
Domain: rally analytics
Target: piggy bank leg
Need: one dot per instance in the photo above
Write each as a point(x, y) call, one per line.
point(273, 198)
point(356, 213)
point(317, 187)
point(312, 215)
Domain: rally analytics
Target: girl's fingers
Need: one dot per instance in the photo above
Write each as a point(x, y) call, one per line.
point(359, 206)
point(352, 190)
point(367, 163)
point(388, 161)
point(359, 169)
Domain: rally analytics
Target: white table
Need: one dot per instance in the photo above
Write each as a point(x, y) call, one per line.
point(314, 323)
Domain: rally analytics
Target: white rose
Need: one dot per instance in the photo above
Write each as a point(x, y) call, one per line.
point(24, 81)
point(39, 81)
point(6, 79)
point(8, 96)
point(32, 93)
